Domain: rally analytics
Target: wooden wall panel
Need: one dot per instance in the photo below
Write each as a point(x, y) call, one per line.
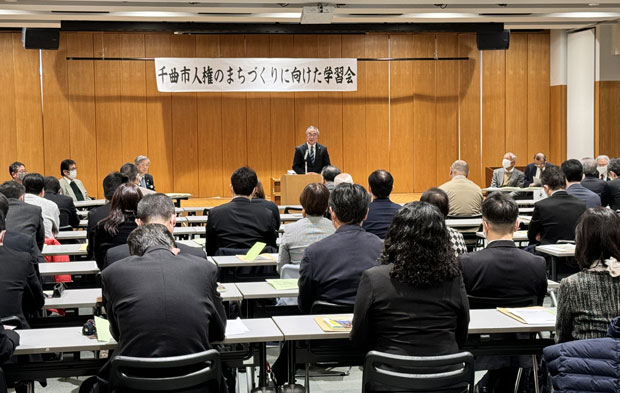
point(538, 93)
point(330, 105)
point(306, 104)
point(516, 97)
point(8, 153)
point(557, 125)
point(447, 107)
point(493, 107)
point(401, 113)
point(609, 115)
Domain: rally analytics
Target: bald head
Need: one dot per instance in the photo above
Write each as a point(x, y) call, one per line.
point(459, 168)
point(343, 178)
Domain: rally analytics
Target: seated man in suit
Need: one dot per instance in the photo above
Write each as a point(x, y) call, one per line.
point(329, 173)
point(465, 197)
point(535, 169)
point(240, 223)
point(311, 153)
point(146, 179)
point(110, 184)
point(70, 185)
point(502, 270)
point(17, 171)
point(259, 198)
point(611, 193)
point(150, 314)
point(68, 214)
point(35, 190)
point(602, 162)
point(591, 179)
point(153, 209)
point(131, 171)
point(555, 217)
point(23, 217)
point(508, 175)
point(382, 209)
point(573, 171)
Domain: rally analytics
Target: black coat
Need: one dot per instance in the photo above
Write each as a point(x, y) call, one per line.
point(321, 159)
point(25, 218)
point(8, 341)
point(594, 184)
point(68, 214)
point(148, 180)
point(94, 216)
point(611, 194)
point(117, 253)
point(273, 208)
point(24, 243)
point(380, 214)
point(104, 240)
point(555, 218)
point(530, 172)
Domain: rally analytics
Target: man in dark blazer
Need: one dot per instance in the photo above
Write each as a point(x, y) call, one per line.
point(591, 179)
point(555, 217)
point(146, 179)
point(382, 209)
point(160, 303)
point(312, 153)
point(68, 214)
point(499, 271)
point(535, 169)
point(611, 193)
point(23, 217)
point(153, 209)
point(573, 171)
point(239, 224)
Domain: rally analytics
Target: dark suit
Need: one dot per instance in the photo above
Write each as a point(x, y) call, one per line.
point(117, 253)
point(8, 341)
point(331, 268)
point(555, 218)
point(68, 215)
point(587, 196)
point(611, 194)
point(273, 208)
point(20, 289)
point(321, 159)
point(380, 214)
point(148, 182)
point(163, 304)
point(25, 218)
point(24, 243)
point(239, 224)
point(94, 216)
point(104, 240)
point(594, 184)
point(530, 172)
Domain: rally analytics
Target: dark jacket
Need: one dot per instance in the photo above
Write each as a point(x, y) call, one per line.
point(555, 218)
point(239, 224)
point(611, 194)
point(25, 218)
point(68, 215)
point(94, 216)
point(117, 253)
point(104, 240)
point(148, 181)
point(380, 214)
point(273, 208)
point(502, 270)
point(8, 341)
point(591, 366)
point(530, 172)
point(587, 196)
point(321, 159)
point(24, 243)
point(331, 268)
point(594, 184)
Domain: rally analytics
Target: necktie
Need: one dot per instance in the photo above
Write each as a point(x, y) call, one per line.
point(312, 155)
point(76, 190)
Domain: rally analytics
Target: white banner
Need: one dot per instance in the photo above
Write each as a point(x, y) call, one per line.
point(255, 74)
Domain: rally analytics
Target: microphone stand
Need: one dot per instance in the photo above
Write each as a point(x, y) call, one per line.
point(306, 162)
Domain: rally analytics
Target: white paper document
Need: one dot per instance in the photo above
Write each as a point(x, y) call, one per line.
point(235, 327)
point(535, 316)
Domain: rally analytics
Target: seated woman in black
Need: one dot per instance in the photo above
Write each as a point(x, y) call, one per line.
point(114, 229)
point(414, 302)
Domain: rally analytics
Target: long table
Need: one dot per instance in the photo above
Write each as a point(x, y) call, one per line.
point(57, 268)
point(64, 249)
point(233, 261)
point(556, 251)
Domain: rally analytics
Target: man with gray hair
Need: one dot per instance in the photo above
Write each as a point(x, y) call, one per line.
point(508, 175)
point(465, 197)
point(591, 179)
point(343, 178)
point(311, 156)
point(602, 162)
point(329, 173)
point(146, 179)
point(131, 171)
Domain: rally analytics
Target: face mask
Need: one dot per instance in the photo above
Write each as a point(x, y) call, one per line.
point(21, 175)
point(602, 170)
point(505, 163)
point(73, 174)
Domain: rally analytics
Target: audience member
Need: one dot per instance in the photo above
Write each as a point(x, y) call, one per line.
point(508, 175)
point(439, 198)
point(240, 223)
point(131, 171)
point(414, 302)
point(601, 166)
point(342, 178)
point(297, 236)
point(17, 171)
point(153, 209)
point(382, 209)
point(329, 173)
point(110, 183)
point(588, 300)
point(554, 218)
point(116, 227)
point(310, 156)
point(188, 314)
point(68, 214)
point(69, 183)
point(464, 195)
point(35, 190)
point(23, 217)
point(534, 170)
point(591, 179)
point(142, 163)
point(611, 192)
point(573, 171)
point(258, 198)
point(9, 340)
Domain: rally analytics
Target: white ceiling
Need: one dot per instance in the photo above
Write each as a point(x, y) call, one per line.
point(521, 14)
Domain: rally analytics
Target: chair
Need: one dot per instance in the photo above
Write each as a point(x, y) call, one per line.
point(288, 271)
point(290, 209)
point(418, 373)
point(165, 374)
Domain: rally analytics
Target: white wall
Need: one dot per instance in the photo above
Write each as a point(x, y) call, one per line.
point(608, 68)
point(557, 57)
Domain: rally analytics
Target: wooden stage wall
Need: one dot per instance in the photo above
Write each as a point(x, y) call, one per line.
point(412, 118)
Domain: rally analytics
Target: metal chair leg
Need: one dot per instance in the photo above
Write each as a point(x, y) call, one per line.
point(518, 381)
point(307, 378)
point(535, 371)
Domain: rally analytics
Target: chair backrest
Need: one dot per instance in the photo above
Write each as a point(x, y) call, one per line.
point(290, 209)
point(12, 320)
point(165, 374)
point(289, 271)
point(322, 307)
point(477, 302)
point(419, 373)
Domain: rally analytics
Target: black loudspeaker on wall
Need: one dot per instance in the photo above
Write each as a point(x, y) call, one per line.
point(493, 40)
point(40, 38)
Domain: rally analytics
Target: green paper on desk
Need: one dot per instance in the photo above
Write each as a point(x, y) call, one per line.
point(201, 240)
point(282, 284)
point(103, 329)
point(255, 251)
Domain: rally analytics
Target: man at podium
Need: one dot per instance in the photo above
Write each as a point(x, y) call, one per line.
point(311, 156)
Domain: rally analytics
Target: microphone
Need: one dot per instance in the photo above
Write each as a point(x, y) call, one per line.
point(306, 161)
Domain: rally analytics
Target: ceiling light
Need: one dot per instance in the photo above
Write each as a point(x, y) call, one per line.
point(152, 14)
point(584, 15)
point(440, 15)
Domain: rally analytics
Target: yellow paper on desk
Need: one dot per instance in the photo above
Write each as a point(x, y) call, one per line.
point(103, 329)
point(530, 315)
point(84, 247)
point(253, 253)
point(201, 240)
point(333, 324)
point(282, 284)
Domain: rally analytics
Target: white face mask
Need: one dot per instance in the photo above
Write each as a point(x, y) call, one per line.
point(505, 163)
point(602, 170)
point(73, 174)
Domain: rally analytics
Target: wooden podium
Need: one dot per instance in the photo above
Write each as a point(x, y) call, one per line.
point(286, 190)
